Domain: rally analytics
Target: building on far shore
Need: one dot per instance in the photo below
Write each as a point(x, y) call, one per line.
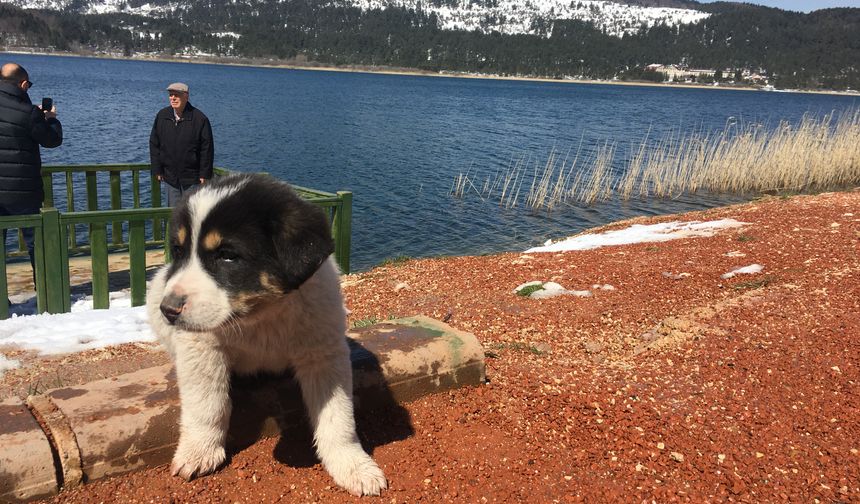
point(677, 73)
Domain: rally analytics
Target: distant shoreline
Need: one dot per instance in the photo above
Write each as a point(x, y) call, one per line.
point(418, 73)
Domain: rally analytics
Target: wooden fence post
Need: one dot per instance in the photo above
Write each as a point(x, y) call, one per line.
point(155, 195)
point(342, 229)
point(50, 274)
point(70, 207)
point(48, 185)
point(137, 261)
point(99, 262)
point(115, 204)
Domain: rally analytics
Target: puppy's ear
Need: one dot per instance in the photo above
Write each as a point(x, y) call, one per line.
point(303, 241)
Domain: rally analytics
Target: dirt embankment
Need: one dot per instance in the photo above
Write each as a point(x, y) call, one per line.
point(675, 385)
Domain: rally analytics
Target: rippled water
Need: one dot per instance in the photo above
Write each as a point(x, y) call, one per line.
point(397, 142)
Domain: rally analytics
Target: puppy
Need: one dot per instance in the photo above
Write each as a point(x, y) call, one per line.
point(252, 287)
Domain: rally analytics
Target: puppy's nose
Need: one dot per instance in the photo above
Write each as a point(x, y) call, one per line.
point(172, 306)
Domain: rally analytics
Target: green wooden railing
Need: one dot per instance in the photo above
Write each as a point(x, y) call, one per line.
point(19, 221)
point(99, 249)
point(58, 236)
point(145, 193)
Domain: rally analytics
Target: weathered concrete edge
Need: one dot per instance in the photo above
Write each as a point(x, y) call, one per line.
point(27, 468)
point(62, 438)
point(447, 369)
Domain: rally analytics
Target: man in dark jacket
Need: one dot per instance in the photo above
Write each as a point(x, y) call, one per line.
point(181, 150)
point(23, 128)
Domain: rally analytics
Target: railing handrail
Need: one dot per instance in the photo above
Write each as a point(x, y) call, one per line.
point(119, 167)
point(94, 168)
point(109, 216)
point(18, 221)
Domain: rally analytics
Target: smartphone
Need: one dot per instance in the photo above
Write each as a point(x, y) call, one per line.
point(47, 104)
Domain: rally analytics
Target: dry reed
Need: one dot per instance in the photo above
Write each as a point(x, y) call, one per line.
point(817, 153)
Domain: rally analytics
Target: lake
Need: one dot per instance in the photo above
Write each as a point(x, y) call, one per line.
point(397, 141)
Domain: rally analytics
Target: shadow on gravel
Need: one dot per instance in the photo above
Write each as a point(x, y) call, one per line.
point(270, 405)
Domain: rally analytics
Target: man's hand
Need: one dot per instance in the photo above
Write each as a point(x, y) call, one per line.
point(51, 114)
point(159, 177)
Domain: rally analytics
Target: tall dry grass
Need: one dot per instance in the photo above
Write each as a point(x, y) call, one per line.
point(815, 154)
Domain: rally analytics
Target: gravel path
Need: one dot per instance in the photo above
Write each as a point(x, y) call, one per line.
point(674, 385)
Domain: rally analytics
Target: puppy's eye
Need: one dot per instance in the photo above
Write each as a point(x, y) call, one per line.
point(226, 255)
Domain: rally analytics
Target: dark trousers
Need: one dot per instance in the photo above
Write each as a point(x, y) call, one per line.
point(29, 233)
point(174, 194)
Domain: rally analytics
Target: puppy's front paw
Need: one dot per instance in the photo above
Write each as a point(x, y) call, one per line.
point(196, 459)
point(359, 475)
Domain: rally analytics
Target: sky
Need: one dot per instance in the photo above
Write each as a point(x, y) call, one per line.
point(799, 5)
point(84, 328)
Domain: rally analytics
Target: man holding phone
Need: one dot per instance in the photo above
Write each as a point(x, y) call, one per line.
point(24, 127)
point(181, 150)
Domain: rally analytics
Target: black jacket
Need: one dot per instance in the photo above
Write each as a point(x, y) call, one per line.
point(182, 152)
point(23, 128)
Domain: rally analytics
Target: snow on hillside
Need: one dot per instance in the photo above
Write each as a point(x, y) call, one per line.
point(504, 16)
point(518, 16)
point(100, 6)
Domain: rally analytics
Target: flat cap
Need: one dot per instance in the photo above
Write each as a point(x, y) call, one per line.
point(178, 86)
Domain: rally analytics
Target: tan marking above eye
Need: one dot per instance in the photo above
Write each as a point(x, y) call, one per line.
point(181, 234)
point(212, 240)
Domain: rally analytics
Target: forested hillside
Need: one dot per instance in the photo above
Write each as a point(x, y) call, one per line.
point(817, 50)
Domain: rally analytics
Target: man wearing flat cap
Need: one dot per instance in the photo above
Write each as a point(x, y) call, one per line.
point(181, 150)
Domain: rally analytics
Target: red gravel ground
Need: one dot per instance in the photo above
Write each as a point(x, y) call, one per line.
point(673, 387)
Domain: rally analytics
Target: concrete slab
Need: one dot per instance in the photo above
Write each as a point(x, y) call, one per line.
point(26, 462)
point(125, 423)
point(131, 422)
point(413, 357)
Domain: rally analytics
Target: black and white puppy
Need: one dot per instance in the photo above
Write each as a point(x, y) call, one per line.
point(252, 287)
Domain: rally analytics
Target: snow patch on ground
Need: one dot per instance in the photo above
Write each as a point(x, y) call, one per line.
point(7, 364)
point(639, 233)
point(745, 270)
point(549, 290)
point(82, 329)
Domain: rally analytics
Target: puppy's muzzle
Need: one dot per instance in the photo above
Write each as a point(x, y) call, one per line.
point(172, 306)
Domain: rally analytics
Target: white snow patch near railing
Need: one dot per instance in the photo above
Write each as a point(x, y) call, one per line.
point(639, 233)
